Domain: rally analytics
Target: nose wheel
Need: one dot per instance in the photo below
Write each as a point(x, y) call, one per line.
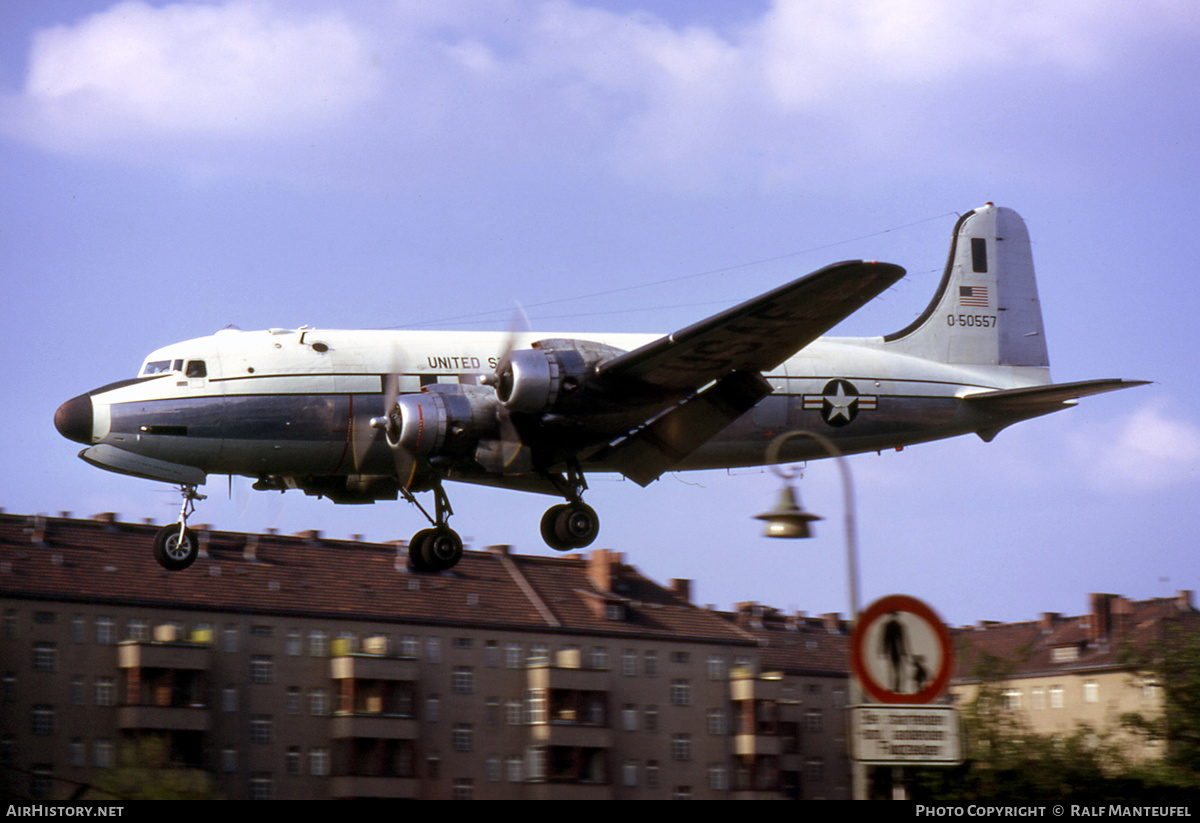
point(176, 546)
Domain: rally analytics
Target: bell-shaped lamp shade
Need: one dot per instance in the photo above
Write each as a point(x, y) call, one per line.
point(788, 519)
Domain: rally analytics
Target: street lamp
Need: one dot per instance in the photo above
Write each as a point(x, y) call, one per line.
point(789, 520)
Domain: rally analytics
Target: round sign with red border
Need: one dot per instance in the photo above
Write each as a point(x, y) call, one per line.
point(901, 651)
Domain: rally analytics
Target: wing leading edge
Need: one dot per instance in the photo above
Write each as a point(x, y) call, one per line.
point(759, 334)
point(730, 351)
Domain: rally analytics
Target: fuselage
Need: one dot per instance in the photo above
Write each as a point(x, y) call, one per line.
point(283, 403)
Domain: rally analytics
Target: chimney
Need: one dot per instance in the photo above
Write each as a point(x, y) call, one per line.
point(250, 550)
point(682, 588)
point(832, 622)
point(502, 549)
point(1100, 626)
point(1183, 600)
point(1049, 621)
point(604, 569)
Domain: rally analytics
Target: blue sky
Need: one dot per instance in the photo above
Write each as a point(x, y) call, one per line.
point(173, 168)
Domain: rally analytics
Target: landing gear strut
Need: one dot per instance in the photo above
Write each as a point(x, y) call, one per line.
point(574, 524)
point(176, 546)
point(437, 549)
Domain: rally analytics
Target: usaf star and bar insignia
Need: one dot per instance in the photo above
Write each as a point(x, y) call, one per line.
point(839, 402)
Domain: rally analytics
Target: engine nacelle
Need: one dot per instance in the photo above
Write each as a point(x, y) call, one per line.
point(444, 420)
point(549, 376)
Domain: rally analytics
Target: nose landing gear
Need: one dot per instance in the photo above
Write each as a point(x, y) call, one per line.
point(176, 546)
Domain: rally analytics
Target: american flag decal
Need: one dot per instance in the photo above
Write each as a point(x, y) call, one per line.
point(973, 296)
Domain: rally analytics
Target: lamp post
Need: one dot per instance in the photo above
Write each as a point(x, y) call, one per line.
point(789, 520)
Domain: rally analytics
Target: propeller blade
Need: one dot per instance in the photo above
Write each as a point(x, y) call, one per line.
point(366, 426)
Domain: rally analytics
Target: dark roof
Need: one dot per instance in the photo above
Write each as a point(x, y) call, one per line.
point(102, 560)
point(795, 643)
point(1102, 639)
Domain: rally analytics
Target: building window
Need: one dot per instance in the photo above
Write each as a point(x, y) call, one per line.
point(716, 667)
point(492, 710)
point(652, 774)
point(433, 708)
point(512, 655)
point(410, 647)
point(463, 737)
point(229, 701)
point(318, 643)
point(513, 767)
point(1061, 654)
point(106, 691)
point(491, 654)
point(651, 719)
point(295, 643)
point(629, 773)
point(650, 663)
point(79, 629)
point(260, 728)
point(718, 779)
point(537, 705)
point(43, 719)
point(137, 630)
point(291, 761)
point(599, 659)
point(629, 659)
point(814, 720)
point(318, 702)
point(464, 789)
point(262, 787)
point(433, 766)
point(293, 700)
point(463, 643)
point(433, 649)
point(681, 747)
point(1012, 699)
point(1037, 698)
point(262, 669)
point(814, 769)
point(77, 690)
point(462, 681)
point(539, 654)
point(45, 657)
point(318, 761)
point(1056, 697)
point(535, 763)
point(716, 721)
point(229, 639)
point(106, 631)
point(629, 715)
point(77, 755)
point(513, 711)
point(680, 657)
point(1091, 691)
point(681, 693)
point(229, 761)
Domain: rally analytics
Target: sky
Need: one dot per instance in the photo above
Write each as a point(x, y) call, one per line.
point(174, 168)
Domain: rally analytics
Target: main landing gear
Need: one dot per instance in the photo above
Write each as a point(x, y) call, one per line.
point(574, 524)
point(176, 546)
point(437, 549)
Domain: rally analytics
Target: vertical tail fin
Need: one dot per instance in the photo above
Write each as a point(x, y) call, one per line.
point(986, 310)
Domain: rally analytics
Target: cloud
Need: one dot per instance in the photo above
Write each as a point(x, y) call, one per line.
point(1148, 450)
point(247, 82)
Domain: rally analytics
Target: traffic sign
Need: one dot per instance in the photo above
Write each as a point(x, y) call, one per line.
point(894, 735)
point(901, 651)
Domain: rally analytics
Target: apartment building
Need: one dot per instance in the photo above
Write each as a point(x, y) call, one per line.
point(1059, 671)
point(303, 667)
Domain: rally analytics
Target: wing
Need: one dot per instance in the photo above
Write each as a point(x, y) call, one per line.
point(717, 364)
point(759, 334)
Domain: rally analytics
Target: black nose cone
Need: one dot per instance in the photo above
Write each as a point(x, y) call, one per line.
point(74, 419)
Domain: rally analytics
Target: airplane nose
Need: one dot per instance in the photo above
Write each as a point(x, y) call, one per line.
point(74, 419)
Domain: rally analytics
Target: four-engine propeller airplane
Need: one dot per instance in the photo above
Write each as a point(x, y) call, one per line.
point(361, 416)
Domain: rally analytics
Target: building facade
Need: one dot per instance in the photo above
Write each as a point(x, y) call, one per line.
point(307, 668)
point(1058, 672)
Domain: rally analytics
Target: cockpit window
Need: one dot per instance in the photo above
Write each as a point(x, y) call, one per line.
point(196, 368)
point(156, 367)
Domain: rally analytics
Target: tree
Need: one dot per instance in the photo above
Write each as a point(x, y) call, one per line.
point(145, 771)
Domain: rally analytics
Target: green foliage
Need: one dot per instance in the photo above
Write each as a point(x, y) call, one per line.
point(145, 771)
point(1174, 665)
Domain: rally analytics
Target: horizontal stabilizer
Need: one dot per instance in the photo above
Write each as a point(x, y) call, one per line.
point(1012, 405)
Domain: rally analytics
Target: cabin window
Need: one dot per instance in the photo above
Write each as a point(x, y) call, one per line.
point(196, 368)
point(978, 254)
